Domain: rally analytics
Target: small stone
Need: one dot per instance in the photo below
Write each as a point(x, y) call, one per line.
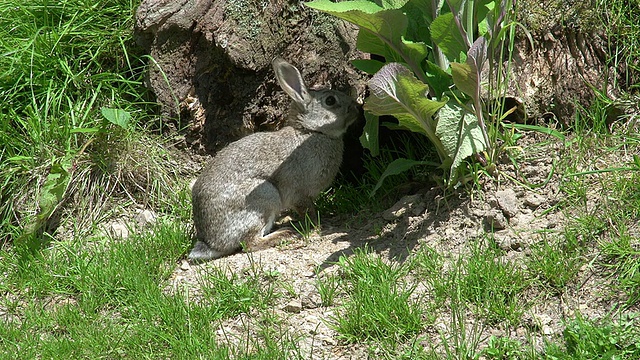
point(507, 241)
point(547, 330)
point(294, 306)
point(185, 266)
point(327, 340)
point(495, 220)
point(533, 201)
point(310, 301)
point(118, 229)
point(507, 202)
point(145, 217)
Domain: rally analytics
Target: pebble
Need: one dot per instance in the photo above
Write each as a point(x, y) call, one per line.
point(145, 218)
point(495, 220)
point(118, 229)
point(507, 202)
point(294, 306)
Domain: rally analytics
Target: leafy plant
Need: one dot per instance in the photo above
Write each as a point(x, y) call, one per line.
point(430, 79)
point(598, 339)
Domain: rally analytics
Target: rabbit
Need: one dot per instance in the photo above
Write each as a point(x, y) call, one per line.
point(251, 181)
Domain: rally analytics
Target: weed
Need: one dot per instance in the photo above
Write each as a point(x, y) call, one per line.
point(328, 289)
point(589, 339)
point(493, 285)
point(622, 256)
point(555, 263)
point(379, 307)
point(308, 225)
point(62, 63)
point(505, 348)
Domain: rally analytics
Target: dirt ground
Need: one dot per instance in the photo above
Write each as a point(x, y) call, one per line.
point(447, 224)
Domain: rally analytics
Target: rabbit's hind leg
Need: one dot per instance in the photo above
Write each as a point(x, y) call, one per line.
point(264, 203)
point(270, 240)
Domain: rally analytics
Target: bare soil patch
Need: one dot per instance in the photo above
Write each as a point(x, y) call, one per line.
point(514, 214)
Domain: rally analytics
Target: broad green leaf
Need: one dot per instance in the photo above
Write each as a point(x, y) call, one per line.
point(477, 54)
point(465, 78)
point(391, 4)
point(396, 91)
point(439, 80)
point(51, 194)
point(53, 189)
point(369, 138)
point(399, 166)
point(369, 42)
point(484, 16)
point(369, 66)
point(420, 16)
point(388, 25)
point(460, 134)
point(417, 51)
point(345, 6)
point(446, 35)
point(118, 117)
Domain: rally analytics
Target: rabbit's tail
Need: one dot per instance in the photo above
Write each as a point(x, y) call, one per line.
point(202, 252)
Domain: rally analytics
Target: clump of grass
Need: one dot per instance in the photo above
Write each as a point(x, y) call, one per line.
point(507, 348)
point(62, 63)
point(492, 284)
point(556, 262)
point(428, 265)
point(328, 287)
point(307, 226)
point(232, 295)
point(597, 339)
point(379, 305)
point(621, 255)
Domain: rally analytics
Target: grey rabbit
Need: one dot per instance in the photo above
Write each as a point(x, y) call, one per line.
point(251, 181)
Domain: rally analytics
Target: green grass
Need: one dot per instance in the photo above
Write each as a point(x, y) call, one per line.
point(555, 263)
point(66, 292)
point(493, 285)
point(379, 306)
point(598, 339)
point(107, 300)
point(61, 63)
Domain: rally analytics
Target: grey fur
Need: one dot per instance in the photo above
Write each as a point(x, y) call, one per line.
point(251, 181)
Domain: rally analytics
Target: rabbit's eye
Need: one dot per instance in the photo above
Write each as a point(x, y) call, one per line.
point(330, 100)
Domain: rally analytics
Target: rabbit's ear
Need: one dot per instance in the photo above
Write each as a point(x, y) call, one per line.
point(291, 81)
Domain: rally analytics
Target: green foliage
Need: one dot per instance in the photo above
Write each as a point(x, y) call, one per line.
point(379, 307)
point(622, 256)
point(109, 298)
point(505, 348)
point(428, 46)
point(598, 339)
point(556, 263)
point(61, 63)
point(495, 286)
